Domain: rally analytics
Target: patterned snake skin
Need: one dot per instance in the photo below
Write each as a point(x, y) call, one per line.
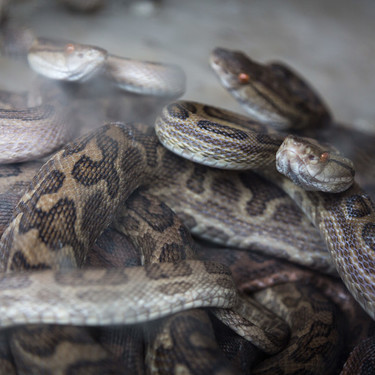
point(49, 252)
point(89, 153)
point(25, 259)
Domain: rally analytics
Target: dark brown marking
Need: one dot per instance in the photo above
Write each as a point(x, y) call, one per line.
point(96, 215)
point(147, 243)
point(10, 170)
point(154, 212)
point(50, 184)
point(19, 262)
point(225, 283)
point(89, 172)
point(216, 268)
point(368, 234)
point(188, 220)
point(174, 288)
point(357, 206)
point(77, 146)
point(55, 227)
point(223, 130)
point(42, 340)
point(262, 191)
point(181, 110)
point(192, 336)
point(233, 117)
point(224, 186)
point(155, 271)
point(172, 253)
point(196, 179)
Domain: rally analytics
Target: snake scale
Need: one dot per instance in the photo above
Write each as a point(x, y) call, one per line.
point(121, 158)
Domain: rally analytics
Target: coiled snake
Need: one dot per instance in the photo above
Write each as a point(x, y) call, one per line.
point(75, 196)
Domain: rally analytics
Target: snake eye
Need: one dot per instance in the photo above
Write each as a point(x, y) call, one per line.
point(243, 78)
point(312, 158)
point(69, 48)
point(324, 157)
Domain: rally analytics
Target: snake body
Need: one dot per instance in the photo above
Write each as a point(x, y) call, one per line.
point(223, 139)
point(47, 120)
point(146, 78)
point(48, 295)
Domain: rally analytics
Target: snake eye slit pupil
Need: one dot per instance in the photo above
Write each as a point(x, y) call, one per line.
point(243, 78)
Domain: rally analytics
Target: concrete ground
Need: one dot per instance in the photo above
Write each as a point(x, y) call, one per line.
point(329, 42)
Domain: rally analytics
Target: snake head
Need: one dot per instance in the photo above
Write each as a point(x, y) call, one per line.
point(233, 68)
point(313, 167)
point(271, 93)
point(65, 60)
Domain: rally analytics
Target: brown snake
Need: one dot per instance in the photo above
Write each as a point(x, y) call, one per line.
point(111, 161)
point(346, 220)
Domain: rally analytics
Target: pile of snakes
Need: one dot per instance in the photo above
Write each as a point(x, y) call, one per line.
point(175, 237)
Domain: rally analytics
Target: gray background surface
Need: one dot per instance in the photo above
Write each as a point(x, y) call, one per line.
point(329, 42)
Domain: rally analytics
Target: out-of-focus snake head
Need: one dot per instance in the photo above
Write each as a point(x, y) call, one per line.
point(65, 60)
point(233, 68)
point(313, 167)
point(271, 93)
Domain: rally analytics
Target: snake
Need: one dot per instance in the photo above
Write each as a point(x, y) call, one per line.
point(46, 108)
point(77, 62)
point(185, 129)
point(337, 216)
point(75, 155)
